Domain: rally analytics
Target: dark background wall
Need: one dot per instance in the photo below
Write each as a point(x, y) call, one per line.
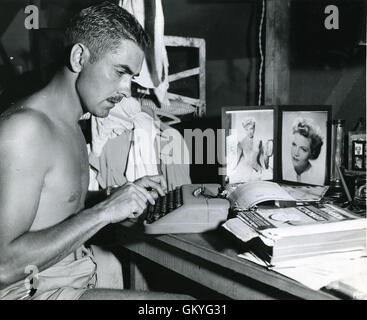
point(329, 66)
point(230, 29)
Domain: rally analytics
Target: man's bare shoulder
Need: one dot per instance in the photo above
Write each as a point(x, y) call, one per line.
point(24, 128)
point(19, 120)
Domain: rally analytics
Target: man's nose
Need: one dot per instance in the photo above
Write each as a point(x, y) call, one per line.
point(125, 86)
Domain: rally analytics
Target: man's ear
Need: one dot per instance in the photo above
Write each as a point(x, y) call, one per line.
point(79, 55)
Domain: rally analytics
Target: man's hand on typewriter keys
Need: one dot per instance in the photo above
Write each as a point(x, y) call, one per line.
point(128, 201)
point(131, 199)
point(156, 183)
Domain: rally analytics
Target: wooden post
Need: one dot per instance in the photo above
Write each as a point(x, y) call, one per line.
point(277, 86)
point(202, 78)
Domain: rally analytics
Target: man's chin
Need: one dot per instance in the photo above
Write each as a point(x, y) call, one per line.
point(105, 114)
point(102, 113)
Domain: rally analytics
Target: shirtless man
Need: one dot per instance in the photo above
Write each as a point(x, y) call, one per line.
point(44, 165)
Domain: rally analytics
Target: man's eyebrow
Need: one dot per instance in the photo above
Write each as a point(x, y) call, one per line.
point(127, 69)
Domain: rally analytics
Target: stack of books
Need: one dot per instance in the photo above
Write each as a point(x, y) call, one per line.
point(277, 234)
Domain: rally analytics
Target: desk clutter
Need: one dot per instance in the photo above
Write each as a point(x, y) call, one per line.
point(316, 243)
point(288, 229)
point(307, 226)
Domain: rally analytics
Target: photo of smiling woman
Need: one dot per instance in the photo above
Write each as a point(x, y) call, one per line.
point(303, 147)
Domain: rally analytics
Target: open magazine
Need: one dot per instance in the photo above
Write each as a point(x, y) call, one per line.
point(298, 232)
point(277, 223)
point(319, 245)
point(252, 193)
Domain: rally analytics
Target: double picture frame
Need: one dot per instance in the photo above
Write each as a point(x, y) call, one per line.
point(357, 152)
point(284, 143)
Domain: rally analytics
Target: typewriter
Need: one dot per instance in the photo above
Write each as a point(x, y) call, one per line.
point(191, 208)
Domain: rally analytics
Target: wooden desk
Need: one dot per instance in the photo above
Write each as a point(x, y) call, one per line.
point(209, 259)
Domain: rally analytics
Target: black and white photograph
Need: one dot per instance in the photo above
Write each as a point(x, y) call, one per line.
point(358, 163)
point(357, 153)
point(249, 144)
point(143, 143)
point(304, 143)
point(358, 148)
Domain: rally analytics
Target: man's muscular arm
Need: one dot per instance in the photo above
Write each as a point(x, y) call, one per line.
point(23, 167)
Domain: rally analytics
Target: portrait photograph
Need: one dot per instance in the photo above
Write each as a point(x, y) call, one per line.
point(359, 155)
point(358, 148)
point(358, 163)
point(249, 143)
point(357, 151)
point(304, 145)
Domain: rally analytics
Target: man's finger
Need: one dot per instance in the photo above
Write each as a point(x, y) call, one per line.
point(154, 185)
point(145, 193)
point(137, 211)
point(141, 196)
point(158, 179)
point(161, 180)
point(154, 194)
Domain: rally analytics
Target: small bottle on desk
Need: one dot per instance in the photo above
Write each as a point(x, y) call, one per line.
point(336, 192)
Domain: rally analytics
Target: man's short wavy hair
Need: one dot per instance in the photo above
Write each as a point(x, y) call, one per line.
point(101, 28)
point(307, 128)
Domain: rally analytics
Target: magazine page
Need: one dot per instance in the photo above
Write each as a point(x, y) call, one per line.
point(283, 222)
point(273, 224)
point(251, 193)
